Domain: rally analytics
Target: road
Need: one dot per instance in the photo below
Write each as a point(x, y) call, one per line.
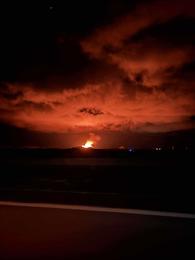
point(44, 231)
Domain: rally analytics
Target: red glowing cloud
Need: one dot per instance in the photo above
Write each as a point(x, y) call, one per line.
point(62, 112)
point(136, 79)
point(144, 16)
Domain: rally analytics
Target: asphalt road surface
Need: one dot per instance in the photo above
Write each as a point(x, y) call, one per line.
point(42, 231)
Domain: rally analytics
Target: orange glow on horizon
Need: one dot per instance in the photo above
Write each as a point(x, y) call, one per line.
point(88, 144)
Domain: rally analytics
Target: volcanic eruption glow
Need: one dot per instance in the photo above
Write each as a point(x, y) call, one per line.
point(88, 144)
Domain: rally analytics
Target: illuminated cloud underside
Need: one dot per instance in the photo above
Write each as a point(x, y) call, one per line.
point(152, 95)
point(60, 112)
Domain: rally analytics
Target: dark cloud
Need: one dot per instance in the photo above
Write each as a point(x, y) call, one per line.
point(91, 111)
point(29, 105)
point(6, 94)
point(192, 118)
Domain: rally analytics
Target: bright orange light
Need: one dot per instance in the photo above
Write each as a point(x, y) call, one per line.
point(88, 144)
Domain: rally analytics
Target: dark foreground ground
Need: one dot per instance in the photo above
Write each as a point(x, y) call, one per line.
point(43, 233)
point(162, 180)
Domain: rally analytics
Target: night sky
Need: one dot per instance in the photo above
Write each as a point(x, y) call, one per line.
point(120, 71)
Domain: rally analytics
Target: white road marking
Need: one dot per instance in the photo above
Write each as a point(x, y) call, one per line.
point(100, 209)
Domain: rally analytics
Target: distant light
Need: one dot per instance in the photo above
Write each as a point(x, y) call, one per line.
point(88, 144)
point(130, 150)
point(158, 148)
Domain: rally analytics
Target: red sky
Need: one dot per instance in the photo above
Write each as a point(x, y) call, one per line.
point(132, 73)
